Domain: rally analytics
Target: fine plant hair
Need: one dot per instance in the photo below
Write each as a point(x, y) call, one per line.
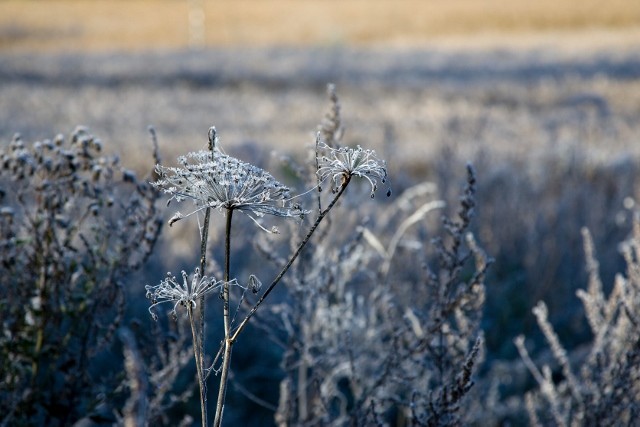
point(364, 345)
point(598, 385)
point(213, 180)
point(73, 225)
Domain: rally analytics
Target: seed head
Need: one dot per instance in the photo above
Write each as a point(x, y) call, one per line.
point(185, 293)
point(340, 164)
point(213, 179)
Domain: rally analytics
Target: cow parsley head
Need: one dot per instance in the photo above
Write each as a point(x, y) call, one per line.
point(213, 179)
point(181, 294)
point(340, 164)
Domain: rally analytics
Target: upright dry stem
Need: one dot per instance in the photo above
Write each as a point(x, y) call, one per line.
point(198, 356)
point(199, 337)
point(200, 343)
point(228, 343)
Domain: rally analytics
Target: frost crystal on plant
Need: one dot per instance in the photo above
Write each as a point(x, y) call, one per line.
point(170, 290)
point(342, 163)
point(216, 180)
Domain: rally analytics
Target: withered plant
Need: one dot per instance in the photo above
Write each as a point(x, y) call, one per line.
point(598, 384)
point(214, 180)
point(73, 225)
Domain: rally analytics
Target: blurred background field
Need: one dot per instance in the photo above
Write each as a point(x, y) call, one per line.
point(142, 24)
point(542, 97)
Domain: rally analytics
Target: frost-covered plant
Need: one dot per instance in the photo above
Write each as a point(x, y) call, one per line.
point(342, 163)
point(185, 294)
point(598, 385)
point(367, 344)
point(73, 225)
point(363, 349)
point(212, 179)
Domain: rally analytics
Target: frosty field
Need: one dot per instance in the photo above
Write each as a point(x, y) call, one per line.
point(552, 132)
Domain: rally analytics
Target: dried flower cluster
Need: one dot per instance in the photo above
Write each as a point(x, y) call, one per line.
point(184, 294)
point(215, 180)
point(340, 164)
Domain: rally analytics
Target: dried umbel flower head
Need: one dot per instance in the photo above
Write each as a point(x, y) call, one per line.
point(184, 294)
point(215, 180)
point(340, 164)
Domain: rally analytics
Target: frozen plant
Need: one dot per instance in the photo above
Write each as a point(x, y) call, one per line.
point(183, 294)
point(342, 163)
point(381, 327)
point(366, 345)
point(599, 385)
point(214, 180)
point(73, 225)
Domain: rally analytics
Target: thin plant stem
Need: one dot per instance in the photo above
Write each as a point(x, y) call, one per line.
point(231, 339)
point(228, 343)
point(284, 270)
point(199, 337)
point(199, 367)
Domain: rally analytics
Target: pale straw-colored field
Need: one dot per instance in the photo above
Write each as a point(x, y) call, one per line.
point(142, 24)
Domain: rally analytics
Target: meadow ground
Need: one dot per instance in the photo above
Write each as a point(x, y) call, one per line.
point(547, 108)
point(528, 106)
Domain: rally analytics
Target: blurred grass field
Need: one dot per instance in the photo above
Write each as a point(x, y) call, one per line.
point(105, 25)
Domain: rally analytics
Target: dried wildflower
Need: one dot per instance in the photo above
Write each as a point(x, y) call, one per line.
point(340, 164)
point(215, 180)
point(169, 290)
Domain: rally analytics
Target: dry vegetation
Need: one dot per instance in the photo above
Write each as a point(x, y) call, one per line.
point(141, 24)
point(533, 320)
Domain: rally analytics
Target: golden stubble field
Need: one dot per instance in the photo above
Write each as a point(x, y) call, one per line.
point(106, 25)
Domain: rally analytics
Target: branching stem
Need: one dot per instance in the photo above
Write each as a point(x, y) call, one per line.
point(284, 270)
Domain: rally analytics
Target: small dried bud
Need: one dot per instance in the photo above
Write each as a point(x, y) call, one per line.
point(254, 284)
point(175, 218)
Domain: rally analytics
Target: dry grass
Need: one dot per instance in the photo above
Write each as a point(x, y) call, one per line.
point(140, 24)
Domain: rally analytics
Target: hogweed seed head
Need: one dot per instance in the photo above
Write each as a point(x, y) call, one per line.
point(187, 292)
point(213, 179)
point(340, 164)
